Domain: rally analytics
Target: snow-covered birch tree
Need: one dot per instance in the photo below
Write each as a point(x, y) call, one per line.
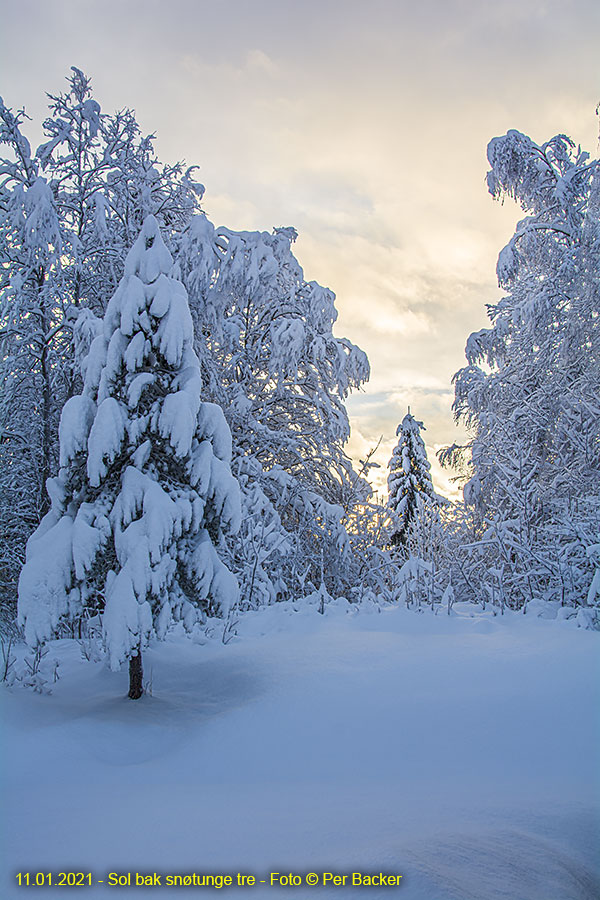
point(33, 386)
point(69, 212)
point(106, 179)
point(529, 393)
point(270, 358)
point(264, 339)
point(144, 488)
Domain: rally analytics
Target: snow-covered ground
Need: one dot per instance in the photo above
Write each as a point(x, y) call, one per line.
point(459, 751)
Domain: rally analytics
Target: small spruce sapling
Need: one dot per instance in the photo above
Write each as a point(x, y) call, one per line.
point(409, 481)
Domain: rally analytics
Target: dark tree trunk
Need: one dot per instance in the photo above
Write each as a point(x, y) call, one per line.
point(46, 462)
point(135, 676)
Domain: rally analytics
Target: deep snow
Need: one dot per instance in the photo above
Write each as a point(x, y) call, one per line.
point(460, 752)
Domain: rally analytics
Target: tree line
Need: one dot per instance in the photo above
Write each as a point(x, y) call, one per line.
point(137, 336)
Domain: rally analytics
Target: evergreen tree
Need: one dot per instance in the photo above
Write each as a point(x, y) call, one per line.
point(409, 482)
point(144, 486)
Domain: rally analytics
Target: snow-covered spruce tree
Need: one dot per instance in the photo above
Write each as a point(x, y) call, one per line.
point(529, 394)
point(409, 482)
point(144, 487)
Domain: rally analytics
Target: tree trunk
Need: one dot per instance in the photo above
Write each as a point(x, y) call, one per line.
point(46, 462)
point(135, 676)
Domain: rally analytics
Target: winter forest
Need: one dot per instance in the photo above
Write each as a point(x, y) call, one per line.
point(173, 419)
point(174, 470)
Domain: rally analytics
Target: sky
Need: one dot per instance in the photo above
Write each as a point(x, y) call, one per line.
point(363, 125)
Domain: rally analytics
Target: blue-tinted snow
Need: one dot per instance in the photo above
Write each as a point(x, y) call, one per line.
point(459, 751)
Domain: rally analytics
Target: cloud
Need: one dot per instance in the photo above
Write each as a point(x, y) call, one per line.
point(257, 60)
point(367, 131)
